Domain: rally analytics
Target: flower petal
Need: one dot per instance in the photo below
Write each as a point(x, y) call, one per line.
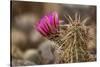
point(41, 31)
point(48, 25)
point(55, 20)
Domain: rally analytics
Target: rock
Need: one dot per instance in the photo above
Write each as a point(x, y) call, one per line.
point(92, 32)
point(92, 57)
point(18, 37)
point(16, 52)
point(91, 44)
point(32, 55)
point(20, 62)
point(36, 38)
point(25, 22)
point(47, 52)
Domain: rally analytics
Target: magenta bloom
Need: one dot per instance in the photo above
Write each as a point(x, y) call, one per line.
point(48, 25)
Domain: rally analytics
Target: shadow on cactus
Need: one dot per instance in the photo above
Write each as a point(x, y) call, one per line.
point(71, 38)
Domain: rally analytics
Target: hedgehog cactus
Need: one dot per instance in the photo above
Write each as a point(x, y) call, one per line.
point(72, 41)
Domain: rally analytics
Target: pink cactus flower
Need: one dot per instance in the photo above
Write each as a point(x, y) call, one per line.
point(48, 25)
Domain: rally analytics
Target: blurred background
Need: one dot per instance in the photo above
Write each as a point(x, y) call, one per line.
point(28, 46)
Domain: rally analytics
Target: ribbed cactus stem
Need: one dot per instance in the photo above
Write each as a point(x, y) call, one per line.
point(72, 42)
